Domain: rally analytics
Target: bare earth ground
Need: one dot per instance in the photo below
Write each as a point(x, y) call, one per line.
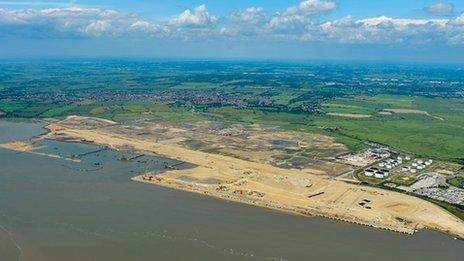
point(350, 115)
point(309, 152)
point(264, 185)
point(405, 111)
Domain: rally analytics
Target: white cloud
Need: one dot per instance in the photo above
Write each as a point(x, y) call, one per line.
point(144, 26)
point(247, 22)
point(71, 21)
point(459, 20)
point(389, 30)
point(440, 8)
point(311, 8)
point(251, 15)
point(398, 22)
point(295, 23)
point(295, 16)
point(98, 28)
point(199, 17)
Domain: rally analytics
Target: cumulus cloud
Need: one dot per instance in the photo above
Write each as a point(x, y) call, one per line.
point(71, 21)
point(459, 20)
point(390, 30)
point(298, 15)
point(97, 27)
point(251, 15)
point(311, 8)
point(247, 22)
point(440, 8)
point(294, 23)
point(199, 17)
point(398, 22)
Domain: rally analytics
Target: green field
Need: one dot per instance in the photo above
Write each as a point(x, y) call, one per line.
point(457, 182)
point(439, 134)
point(403, 180)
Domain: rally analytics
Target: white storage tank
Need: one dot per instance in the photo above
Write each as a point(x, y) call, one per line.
point(369, 172)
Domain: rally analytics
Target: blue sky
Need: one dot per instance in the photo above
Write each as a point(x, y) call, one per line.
point(166, 8)
point(396, 30)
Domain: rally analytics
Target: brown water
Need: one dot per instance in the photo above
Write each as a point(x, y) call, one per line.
point(51, 209)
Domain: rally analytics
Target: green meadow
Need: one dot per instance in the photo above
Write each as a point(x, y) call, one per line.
point(438, 133)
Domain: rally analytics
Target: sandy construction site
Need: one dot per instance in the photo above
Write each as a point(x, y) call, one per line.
point(290, 190)
point(309, 152)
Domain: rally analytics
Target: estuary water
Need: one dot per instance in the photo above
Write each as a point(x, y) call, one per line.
point(56, 209)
